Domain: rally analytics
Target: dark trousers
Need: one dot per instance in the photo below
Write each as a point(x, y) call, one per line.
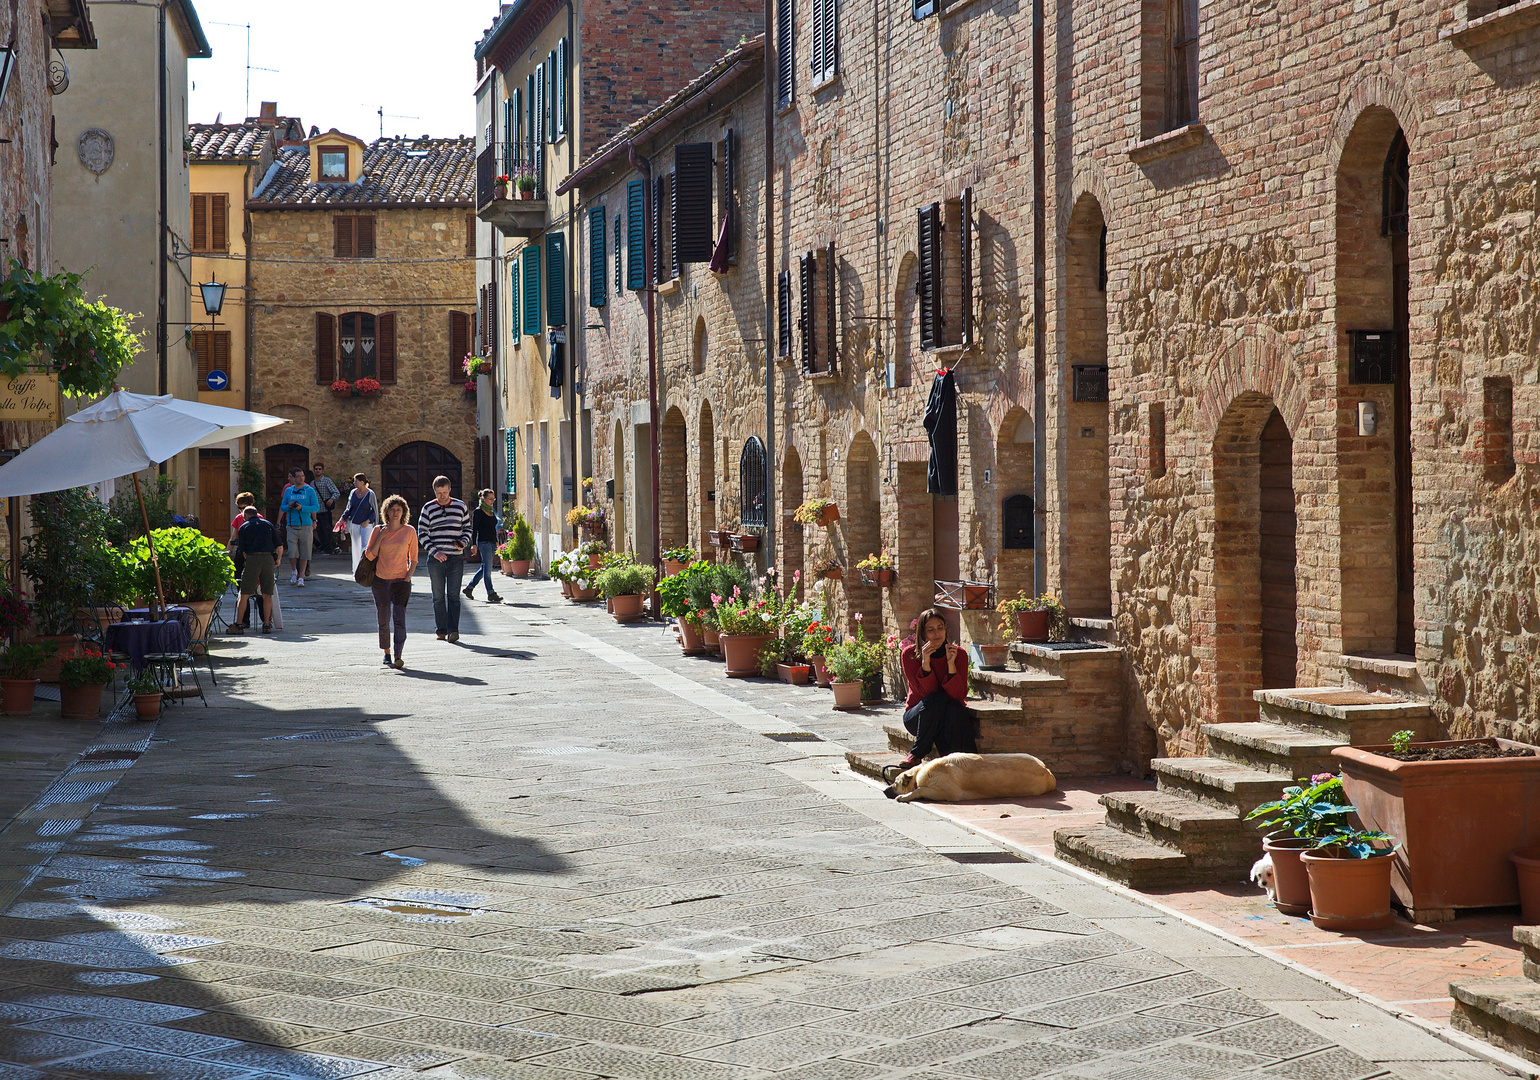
point(942, 723)
point(325, 539)
point(390, 597)
point(444, 578)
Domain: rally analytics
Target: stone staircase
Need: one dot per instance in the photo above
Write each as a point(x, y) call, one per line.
point(1064, 705)
point(1191, 829)
point(1504, 1012)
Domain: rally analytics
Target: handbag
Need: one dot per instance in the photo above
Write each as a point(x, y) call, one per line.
point(364, 574)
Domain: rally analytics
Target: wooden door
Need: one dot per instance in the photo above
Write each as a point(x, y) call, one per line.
point(409, 470)
point(946, 554)
point(278, 460)
point(214, 493)
point(1277, 547)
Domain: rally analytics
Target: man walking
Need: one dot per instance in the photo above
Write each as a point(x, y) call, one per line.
point(300, 504)
point(328, 493)
point(443, 530)
point(257, 543)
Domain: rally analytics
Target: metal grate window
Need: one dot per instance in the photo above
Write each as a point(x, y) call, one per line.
point(752, 481)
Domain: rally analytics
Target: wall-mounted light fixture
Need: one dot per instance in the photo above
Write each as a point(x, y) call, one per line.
point(213, 298)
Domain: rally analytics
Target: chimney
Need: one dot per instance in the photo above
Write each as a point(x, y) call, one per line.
point(269, 113)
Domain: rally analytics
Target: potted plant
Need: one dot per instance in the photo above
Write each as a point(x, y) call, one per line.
point(524, 181)
point(624, 585)
point(877, 570)
point(521, 542)
point(19, 666)
point(828, 567)
point(675, 559)
point(475, 366)
point(1036, 618)
point(819, 638)
point(721, 538)
point(1458, 808)
point(341, 388)
point(990, 655)
point(66, 550)
point(746, 622)
point(48, 325)
point(675, 602)
point(745, 541)
point(816, 512)
point(14, 614)
point(1350, 879)
point(82, 678)
point(1292, 824)
point(147, 692)
point(783, 656)
point(852, 664)
point(367, 387)
point(195, 570)
point(575, 567)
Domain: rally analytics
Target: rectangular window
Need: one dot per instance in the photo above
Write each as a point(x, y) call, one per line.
point(353, 237)
point(694, 239)
point(325, 349)
point(925, 8)
point(636, 235)
point(1497, 430)
point(818, 317)
point(334, 163)
point(556, 279)
point(783, 313)
point(211, 222)
point(459, 345)
point(470, 236)
point(785, 53)
point(387, 348)
point(531, 289)
point(357, 346)
point(929, 281)
point(212, 348)
point(1168, 66)
point(598, 232)
point(1157, 441)
point(945, 279)
point(825, 34)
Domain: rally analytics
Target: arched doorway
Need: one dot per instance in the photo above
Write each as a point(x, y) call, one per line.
point(863, 533)
point(793, 538)
point(409, 470)
point(277, 461)
point(673, 482)
point(1013, 481)
point(1276, 555)
point(618, 473)
point(1088, 558)
point(707, 490)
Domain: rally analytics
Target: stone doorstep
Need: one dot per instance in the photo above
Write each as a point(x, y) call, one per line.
point(1017, 683)
point(1358, 717)
point(1225, 784)
point(1529, 938)
point(1064, 662)
point(1128, 860)
point(1273, 748)
point(1504, 1012)
point(872, 763)
point(1215, 841)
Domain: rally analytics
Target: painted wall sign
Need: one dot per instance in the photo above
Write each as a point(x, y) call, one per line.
point(30, 397)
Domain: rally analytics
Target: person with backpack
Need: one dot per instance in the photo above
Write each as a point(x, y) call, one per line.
point(484, 525)
point(360, 517)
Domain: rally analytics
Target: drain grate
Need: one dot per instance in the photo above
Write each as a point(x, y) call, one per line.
point(321, 735)
point(981, 856)
point(57, 828)
point(558, 751)
point(416, 910)
point(792, 736)
point(79, 791)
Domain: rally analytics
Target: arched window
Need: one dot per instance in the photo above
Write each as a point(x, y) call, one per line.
point(1016, 523)
point(751, 478)
point(356, 341)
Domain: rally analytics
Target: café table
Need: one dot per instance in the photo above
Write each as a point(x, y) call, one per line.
point(171, 611)
point(135, 638)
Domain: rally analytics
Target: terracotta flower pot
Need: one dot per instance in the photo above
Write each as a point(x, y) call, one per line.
point(847, 695)
point(81, 702)
point(1032, 625)
point(627, 607)
point(1349, 894)
point(690, 639)
point(202, 610)
point(672, 567)
point(975, 597)
point(712, 639)
point(583, 596)
point(609, 605)
point(880, 578)
point(566, 589)
point(741, 651)
point(745, 542)
point(796, 674)
point(595, 561)
point(147, 706)
point(992, 656)
point(506, 566)
point(16, 696)
point(820, 672)
point(526, 194)
point(1291, 883)
point(835, 574)
point(829, 516)
point(519, 567)
point(1526, 861)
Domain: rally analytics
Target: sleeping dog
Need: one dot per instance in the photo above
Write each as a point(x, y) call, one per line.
point(965, 777)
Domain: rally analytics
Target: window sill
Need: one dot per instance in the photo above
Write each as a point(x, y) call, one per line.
point(1395, 665)
point(1513, 19)
point(1168, 143)
point(824, 377)
point(948, 352)
point(954, 7)
point(823, 84)
point(669, 287)
point(786, 106)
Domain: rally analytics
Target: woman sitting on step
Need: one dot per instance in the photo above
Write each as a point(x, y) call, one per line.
point(936, 711)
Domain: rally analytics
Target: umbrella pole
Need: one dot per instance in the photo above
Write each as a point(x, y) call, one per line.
point(160, 591)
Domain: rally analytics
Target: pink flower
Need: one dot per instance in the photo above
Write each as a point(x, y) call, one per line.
point(737, 591)
point(1321, 778)
point(914, 624)
point(858, 616)
point(797, 575)
point(715, 599)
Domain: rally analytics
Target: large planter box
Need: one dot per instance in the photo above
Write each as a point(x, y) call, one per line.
point(1456, 822)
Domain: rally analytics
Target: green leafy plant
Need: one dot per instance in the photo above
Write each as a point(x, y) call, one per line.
point(68, 558)
point(629, 579)
point(594, 547)
point(522, 539)
point(144, 681)
point(1351, 843)
point(1401, 741)
point(1058, 618)
point(675, 591)
point(1309, 809)
point(14, 613)
point(855, 659)
point(680, 555)
point(876, 562)
point(818, 639)
point(125, 519)
point(23, 660)
point(86, 667)
point(50, 326)
point(249, 475)
point(193, 567)
point(811, 511)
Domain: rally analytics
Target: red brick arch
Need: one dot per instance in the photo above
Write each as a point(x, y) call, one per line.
point(1259, 363)
point(1378, 85)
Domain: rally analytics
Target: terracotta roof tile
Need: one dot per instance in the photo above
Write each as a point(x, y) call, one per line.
point(426, 172)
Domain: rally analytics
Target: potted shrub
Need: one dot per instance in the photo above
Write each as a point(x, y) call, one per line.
point(524, 181)
point(877, 570)
point(147, 692)
point(19, 666)
point(195, 570)
point(990, 655)
point(1458, 809)
point(1292, 824)
point(341, 388)
point(816, 643)
point(367, 387)
point(67, 549)
point(816, 512)
point(624, 586)
point(521, 541)
point(746, 622)
point(675, 559)
point(852, 664)
point(1036, 618)
point(82, 678)
point(14, 614)
point(1350, 880)
point(675, 601)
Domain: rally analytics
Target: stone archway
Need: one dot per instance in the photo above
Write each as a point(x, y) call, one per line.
point(863, 532)
point(1088, 555)
point(673, 482)
point(409, 471)
point(706, 489)
point(792, 533)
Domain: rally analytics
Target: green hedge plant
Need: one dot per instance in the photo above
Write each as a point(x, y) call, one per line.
point(193, 567)
point(629, 579)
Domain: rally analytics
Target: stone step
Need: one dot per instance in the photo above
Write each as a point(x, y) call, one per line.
point(1358, 717)
point(1225, 784)
point(1128, 860)
point(994, 718)
point(1503, 1011)
point(1529, 938)
point(1101, 631)
point(1015, 684)
point(1063, 658)
point(1272, 748)
point(1218, 844)
point(871, 763)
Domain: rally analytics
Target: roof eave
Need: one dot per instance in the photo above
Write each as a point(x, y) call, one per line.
point(199, 49)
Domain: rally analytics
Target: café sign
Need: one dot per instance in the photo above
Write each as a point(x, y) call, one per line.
point(30, 397)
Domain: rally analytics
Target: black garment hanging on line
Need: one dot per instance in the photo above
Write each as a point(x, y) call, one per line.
point(941, 429)
point(558, 368)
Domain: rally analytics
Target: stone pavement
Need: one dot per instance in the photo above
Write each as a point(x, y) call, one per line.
point(559, 850)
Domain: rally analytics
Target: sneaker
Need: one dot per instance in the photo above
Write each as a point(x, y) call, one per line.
point(386, 660)
point(469, 595)
point(443, 637)
point(300, 584)
point(399, 664)
point(267, 628)
point(293, 576)
point(237, 629)
point(494, 599)
point(454, 635)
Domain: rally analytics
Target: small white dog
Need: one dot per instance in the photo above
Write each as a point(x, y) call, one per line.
point(965, 777)
point(1262, 874)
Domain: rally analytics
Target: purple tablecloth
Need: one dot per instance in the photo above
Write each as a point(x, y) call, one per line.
point(172, 611)
point(134, 639)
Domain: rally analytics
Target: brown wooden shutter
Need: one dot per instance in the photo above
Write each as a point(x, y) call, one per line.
point(831, 301)
point(783, 313)
point(363, 233)
point(730, 189)
point(929, 284)
point(965, 264)
point(470, 236)
point(200, 347)
point(200, 222)
point(459, 345)
point(385, 327)
point(657, 230)
point(342, 237)
point(325, 348)
point(219, 222)
point(807, 321)
point(692, 228)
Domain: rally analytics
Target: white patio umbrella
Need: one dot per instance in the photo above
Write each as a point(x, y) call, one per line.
point(122, 434)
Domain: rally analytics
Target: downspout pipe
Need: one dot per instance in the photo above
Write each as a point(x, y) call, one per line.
point(771, 514)
point(163, 342)
point(573, 412)
point(649, 295)
point(1039, 315)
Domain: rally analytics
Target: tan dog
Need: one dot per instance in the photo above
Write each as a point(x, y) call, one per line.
point(965, 777)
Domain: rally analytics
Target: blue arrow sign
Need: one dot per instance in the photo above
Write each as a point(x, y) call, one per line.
point(217, 380)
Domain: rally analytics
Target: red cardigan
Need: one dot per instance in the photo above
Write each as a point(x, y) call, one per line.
point(922, 685)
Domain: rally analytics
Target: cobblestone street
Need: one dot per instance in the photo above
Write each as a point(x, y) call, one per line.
point(560, 850)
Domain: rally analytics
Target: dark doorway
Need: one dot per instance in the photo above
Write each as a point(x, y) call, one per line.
point(409, 470)
point(1276, 549)
point(279, 460)
point(214, 493)
point(1395, 220)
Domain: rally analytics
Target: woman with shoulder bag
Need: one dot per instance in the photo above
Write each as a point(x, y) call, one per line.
point(360, 517)
point(393, 550)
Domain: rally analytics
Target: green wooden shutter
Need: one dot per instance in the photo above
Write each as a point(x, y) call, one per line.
point(511, 462)
point(636, 234)
point(598, 227)
point(561, 88)
point(532, 289)
point(556, 279)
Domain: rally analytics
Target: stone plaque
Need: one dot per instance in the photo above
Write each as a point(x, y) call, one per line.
point(30, 397)
point(96, 150)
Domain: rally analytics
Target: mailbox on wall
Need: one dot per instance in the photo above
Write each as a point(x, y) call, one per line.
point(1090, 382)
point(1373, 356)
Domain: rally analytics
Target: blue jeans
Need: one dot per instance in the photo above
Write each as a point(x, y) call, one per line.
point(444, 577)
point(484, 548)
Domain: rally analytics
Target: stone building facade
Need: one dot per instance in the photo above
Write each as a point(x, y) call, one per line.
point(361, 267)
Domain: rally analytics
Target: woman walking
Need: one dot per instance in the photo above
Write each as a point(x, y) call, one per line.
point(393, 546)
point(484, 525)
point(936, 711)
point(361, 515)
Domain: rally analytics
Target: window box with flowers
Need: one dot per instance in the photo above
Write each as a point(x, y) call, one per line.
point(476, 365)
point(342, 388)
point(877, 570)
point(1036, 618)
point(829, 568)
point(816, 512)
point(366, 387)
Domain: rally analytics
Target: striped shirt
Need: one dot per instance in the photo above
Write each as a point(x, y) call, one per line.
point(441, 529)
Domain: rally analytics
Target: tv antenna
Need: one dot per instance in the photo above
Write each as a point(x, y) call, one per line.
point(249, 67)
point(383, 115)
